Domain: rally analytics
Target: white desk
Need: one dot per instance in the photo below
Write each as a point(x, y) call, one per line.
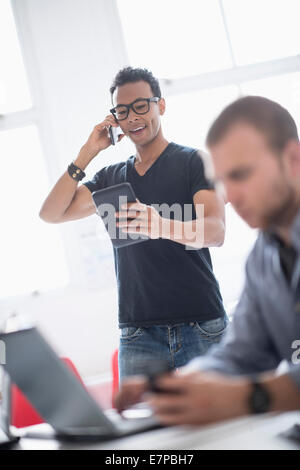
point(250, 433)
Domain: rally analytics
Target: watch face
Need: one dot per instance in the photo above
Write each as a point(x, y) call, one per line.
point(260, 399)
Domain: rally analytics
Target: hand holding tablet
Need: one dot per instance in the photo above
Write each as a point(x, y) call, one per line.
point(108, 201)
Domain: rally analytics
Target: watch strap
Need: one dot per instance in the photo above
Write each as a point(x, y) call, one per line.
point(75, 172)
point(259, 399)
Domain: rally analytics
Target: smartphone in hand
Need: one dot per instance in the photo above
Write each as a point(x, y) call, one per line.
point(114, 133)
point(153, 371)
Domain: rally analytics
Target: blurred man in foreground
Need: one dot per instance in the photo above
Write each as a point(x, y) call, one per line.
point(256, 154)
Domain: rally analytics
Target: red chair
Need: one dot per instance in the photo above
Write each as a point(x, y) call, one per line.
point(22, 412)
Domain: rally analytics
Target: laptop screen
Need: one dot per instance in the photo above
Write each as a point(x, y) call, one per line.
point(53, 390)
point(5, 407)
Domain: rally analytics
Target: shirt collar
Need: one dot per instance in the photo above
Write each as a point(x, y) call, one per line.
point(271, 237)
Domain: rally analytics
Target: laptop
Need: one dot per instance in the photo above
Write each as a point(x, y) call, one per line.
point(7, 438)
point(57, 394)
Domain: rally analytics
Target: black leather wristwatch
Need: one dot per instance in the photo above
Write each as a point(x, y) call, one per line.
point(259, 398)
point(75, 172)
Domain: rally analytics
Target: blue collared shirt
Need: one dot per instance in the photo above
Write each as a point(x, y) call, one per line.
point(265, 329)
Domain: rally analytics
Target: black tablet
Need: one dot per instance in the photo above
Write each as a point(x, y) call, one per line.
point(108, 201)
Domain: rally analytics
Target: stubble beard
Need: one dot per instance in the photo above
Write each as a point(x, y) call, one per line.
point(283, 214)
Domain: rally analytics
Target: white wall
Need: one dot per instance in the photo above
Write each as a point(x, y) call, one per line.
point(79, 324)
point(72, 49)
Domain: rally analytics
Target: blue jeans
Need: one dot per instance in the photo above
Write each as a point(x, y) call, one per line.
point(174, 344)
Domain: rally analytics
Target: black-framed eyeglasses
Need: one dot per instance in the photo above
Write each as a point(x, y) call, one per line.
point(139, 106)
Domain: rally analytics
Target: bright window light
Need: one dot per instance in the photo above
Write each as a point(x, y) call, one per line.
point(14, 92)
point(175, 39)
point(262, 30)
point(189, 115)
point(31, 252)
point(284, 89)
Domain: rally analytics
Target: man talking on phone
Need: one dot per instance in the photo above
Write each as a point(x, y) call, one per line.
point(170, 306)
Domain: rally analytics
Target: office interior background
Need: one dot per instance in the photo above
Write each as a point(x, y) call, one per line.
point(57, 62)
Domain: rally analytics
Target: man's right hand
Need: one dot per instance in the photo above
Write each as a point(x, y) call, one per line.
point(99, 138)
point(131, 392)
point(66, 201)
point(133, 388)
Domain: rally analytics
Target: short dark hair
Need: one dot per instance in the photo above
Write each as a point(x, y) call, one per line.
point(268, 117)
point(131, 75)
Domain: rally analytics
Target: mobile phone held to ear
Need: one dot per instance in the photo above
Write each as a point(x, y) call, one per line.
point(114, 133)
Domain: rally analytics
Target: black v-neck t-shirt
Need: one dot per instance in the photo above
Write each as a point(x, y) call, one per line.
point(159, 281)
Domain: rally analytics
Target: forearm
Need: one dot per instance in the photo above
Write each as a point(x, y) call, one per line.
point(284, 393)
point(63, 192)
point(197, 233)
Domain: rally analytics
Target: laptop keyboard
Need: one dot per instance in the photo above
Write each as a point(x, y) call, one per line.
point(135, 419)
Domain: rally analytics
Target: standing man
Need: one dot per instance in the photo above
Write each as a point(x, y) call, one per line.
point(256, 153)
point(170, 307)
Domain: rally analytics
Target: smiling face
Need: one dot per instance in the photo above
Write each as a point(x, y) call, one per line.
point(260, 184)
point(142, 129)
